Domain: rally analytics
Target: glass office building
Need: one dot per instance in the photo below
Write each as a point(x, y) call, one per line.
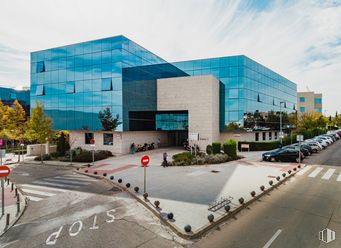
point(77, 81)
point(8, 96)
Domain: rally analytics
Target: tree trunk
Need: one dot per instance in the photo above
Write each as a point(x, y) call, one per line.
point(41, 153)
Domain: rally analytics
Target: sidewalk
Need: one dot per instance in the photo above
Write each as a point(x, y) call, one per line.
point(187, 191)
point(11, 207)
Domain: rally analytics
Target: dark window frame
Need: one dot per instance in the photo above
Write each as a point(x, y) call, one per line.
point(111, 138)
point(88, 137)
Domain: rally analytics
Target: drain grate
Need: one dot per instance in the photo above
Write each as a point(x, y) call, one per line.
point(215, 171)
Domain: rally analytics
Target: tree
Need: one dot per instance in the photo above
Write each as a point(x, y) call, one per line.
point(39, 127)
point(62, 142)
point(109, 123)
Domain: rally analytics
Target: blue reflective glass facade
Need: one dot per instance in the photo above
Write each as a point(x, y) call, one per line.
point(8, 96)
point(249, 86)
point(77, 81)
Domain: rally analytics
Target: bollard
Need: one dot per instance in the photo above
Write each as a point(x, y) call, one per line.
point(157, 204)
point(111, 177)
point(262, 188)
point(210, 218)
point(136, 189)
point(295, 169)
point(16, 191)
point(299, 166)
point(170, 216)
point(128, 185)
point(278, 178)
point(18, 204)
point(241, 200)
point(284, 174)
point(104, 174)
point(145, 196)
point(119, 180)
point(77, 169)
point(227, 208)
point(95, 172)
point(88, 165)
point(7, 220)
point(289, 171)
point(7, 181)
point(188, 228)
point(12, 187)
point(271, 182)
point(253, 193)
point(86, 171)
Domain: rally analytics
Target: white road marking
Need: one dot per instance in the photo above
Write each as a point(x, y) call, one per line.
point(339, 178)
point(77, 178)
point(57, 184)
point(304, 170)
point(41, 187)
point(33, 198)
point(267, 245)
point(37, 192)
point(315, 172)
point(65, 181)
point(328, 174)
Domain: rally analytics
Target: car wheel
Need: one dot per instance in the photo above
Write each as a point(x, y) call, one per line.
point(276, 159)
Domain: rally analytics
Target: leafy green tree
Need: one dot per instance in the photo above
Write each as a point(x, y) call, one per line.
point(39, 127)
point(62, 142)
point(109, 123)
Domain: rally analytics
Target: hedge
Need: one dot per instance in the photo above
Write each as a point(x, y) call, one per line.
point(209, 149)
point(260, 146)
point(230, 148)
point(216, 146)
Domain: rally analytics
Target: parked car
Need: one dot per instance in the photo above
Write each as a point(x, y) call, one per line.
point(283, 155)
point(305, 151)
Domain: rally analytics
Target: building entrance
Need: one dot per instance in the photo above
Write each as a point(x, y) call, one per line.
point(177, 138)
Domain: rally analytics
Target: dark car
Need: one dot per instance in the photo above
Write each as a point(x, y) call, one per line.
point(304, 146)
point(305, 151)
point(284, 155)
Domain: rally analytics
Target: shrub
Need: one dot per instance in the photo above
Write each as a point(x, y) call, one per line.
point(216, 146)
point(184, 156)
point(62, 143)
point(230, 148)
point(260, 146)
point(209, 149)
point(86, 156)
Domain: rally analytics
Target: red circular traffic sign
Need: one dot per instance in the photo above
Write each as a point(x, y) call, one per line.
point(145, 160)
point(92, 141)
point(4, 171)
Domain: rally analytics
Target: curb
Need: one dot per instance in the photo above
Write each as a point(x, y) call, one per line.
point(203, 230)
point(18, 216)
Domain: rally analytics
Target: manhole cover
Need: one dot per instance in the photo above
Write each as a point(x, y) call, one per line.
point(215, 171)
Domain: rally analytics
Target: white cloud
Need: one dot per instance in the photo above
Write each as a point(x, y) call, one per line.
point(300, 40)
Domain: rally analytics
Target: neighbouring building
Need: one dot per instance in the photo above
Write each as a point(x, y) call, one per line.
point(156, 101)
point(9, 95)
point(309, 102)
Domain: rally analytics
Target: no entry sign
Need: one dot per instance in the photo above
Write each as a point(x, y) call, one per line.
point(145, 160)
point(4, 171)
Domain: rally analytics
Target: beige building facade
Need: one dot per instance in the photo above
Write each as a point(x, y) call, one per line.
point(309, 102)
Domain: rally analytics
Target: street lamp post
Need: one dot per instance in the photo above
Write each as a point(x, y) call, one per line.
point(280, 124)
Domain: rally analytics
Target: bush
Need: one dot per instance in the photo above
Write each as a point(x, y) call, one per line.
point(86, 156)
point(62, 143)
point(209, 149)
point(216, 146)
point(260, 146)
point(230, 148)
point(184, 156)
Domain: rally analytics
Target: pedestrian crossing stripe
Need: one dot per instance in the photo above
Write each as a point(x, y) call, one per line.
point(57, 180)
point(328, 174)
point(34, 198)
point(315, 172)
point(304, 170)
point(37, 192)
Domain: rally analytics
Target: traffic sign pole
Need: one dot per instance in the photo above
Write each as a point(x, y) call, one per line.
point(145, 161)
point(3, 196)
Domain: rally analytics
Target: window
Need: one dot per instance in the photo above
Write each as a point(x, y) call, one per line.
point(256, 136)
point(318, 100)
point(40, 67)
point(70, 87)
point(233, 93)
point(275, 135)
point(108, 139)
point(106, 84)
point(264, 135)
point(88, 137)
point(270, 135)
point(302, 99)
point(40, 90)
point(319, 110)
point(302, 109)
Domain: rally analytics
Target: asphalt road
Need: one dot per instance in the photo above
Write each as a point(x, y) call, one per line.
point(70, 210)
point(291, 215)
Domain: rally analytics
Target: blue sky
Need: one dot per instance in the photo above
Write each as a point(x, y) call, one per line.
point(299, 39)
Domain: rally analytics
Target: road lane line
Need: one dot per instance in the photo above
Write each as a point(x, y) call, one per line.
point(304, 170)
point(67, 182)
point(267, 245)
point(33, 198)
point(315, 172)
point(41, 187)
point(328, 174)
point(37, 192)
point(56, 184)
point(339, 178)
